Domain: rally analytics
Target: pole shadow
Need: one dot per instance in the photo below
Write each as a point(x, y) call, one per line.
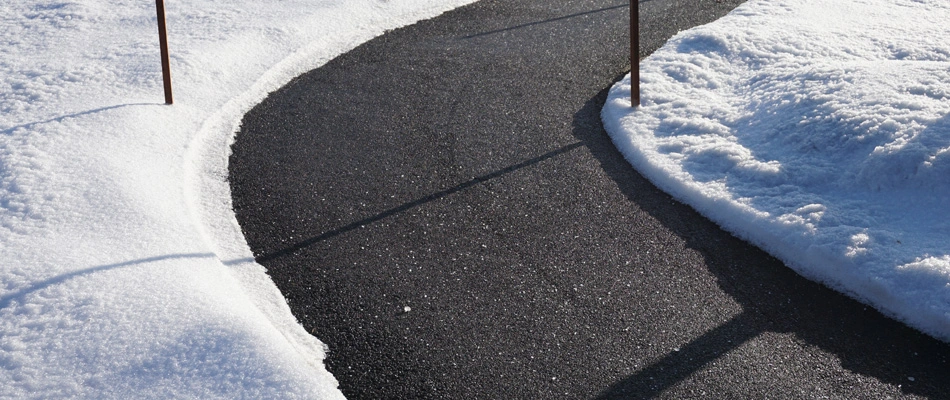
point(530, 24)
point(28, 125)
point(412, 204)
point(773, 298)
point(8, 299)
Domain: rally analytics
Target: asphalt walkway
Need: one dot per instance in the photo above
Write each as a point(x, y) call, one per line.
point(442, 207)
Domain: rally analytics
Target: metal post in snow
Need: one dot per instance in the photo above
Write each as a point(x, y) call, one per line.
point(634, 53)
point(163, 43)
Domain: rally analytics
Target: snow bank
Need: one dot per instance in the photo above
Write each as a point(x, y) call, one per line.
point(818, 130)
point(123, 271)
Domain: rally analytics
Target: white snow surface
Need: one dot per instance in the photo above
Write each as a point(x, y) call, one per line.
point(818, 130)
point(124, 273)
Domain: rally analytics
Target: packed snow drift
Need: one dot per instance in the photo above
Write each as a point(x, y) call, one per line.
point(818, 130)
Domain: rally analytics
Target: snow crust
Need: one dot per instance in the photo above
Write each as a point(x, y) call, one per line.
point(818, 130)
point(124, 273)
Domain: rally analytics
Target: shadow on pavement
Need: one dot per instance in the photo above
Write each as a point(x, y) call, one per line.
point(773, 298)
point(546, 21)
point(415, 203)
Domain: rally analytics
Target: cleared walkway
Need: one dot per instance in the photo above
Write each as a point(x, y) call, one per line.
point(442, 207)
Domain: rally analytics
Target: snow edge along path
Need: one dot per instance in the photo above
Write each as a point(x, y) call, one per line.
point(817, 131)
point(206, 179)
point(124, 273)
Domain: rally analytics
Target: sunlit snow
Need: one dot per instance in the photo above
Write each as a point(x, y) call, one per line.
point(818, 130)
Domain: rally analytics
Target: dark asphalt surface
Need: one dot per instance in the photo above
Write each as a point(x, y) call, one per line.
point(458, 167)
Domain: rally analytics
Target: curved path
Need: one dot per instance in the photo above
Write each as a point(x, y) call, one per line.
point(442, 207)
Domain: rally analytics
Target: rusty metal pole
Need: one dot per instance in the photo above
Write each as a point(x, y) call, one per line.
point(634, 53)
point(163, 43)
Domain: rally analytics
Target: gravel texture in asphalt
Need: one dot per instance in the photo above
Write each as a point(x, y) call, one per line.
point(442, 207)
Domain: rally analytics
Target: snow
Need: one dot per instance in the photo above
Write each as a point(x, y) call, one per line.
point(124, 273)
point(818, 130)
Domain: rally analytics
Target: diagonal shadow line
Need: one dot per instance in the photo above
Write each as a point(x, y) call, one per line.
point(7, 299)
point(432, 197)
point(679, 364)
point(238, 261)
point(475, 35)
point(73, 115)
